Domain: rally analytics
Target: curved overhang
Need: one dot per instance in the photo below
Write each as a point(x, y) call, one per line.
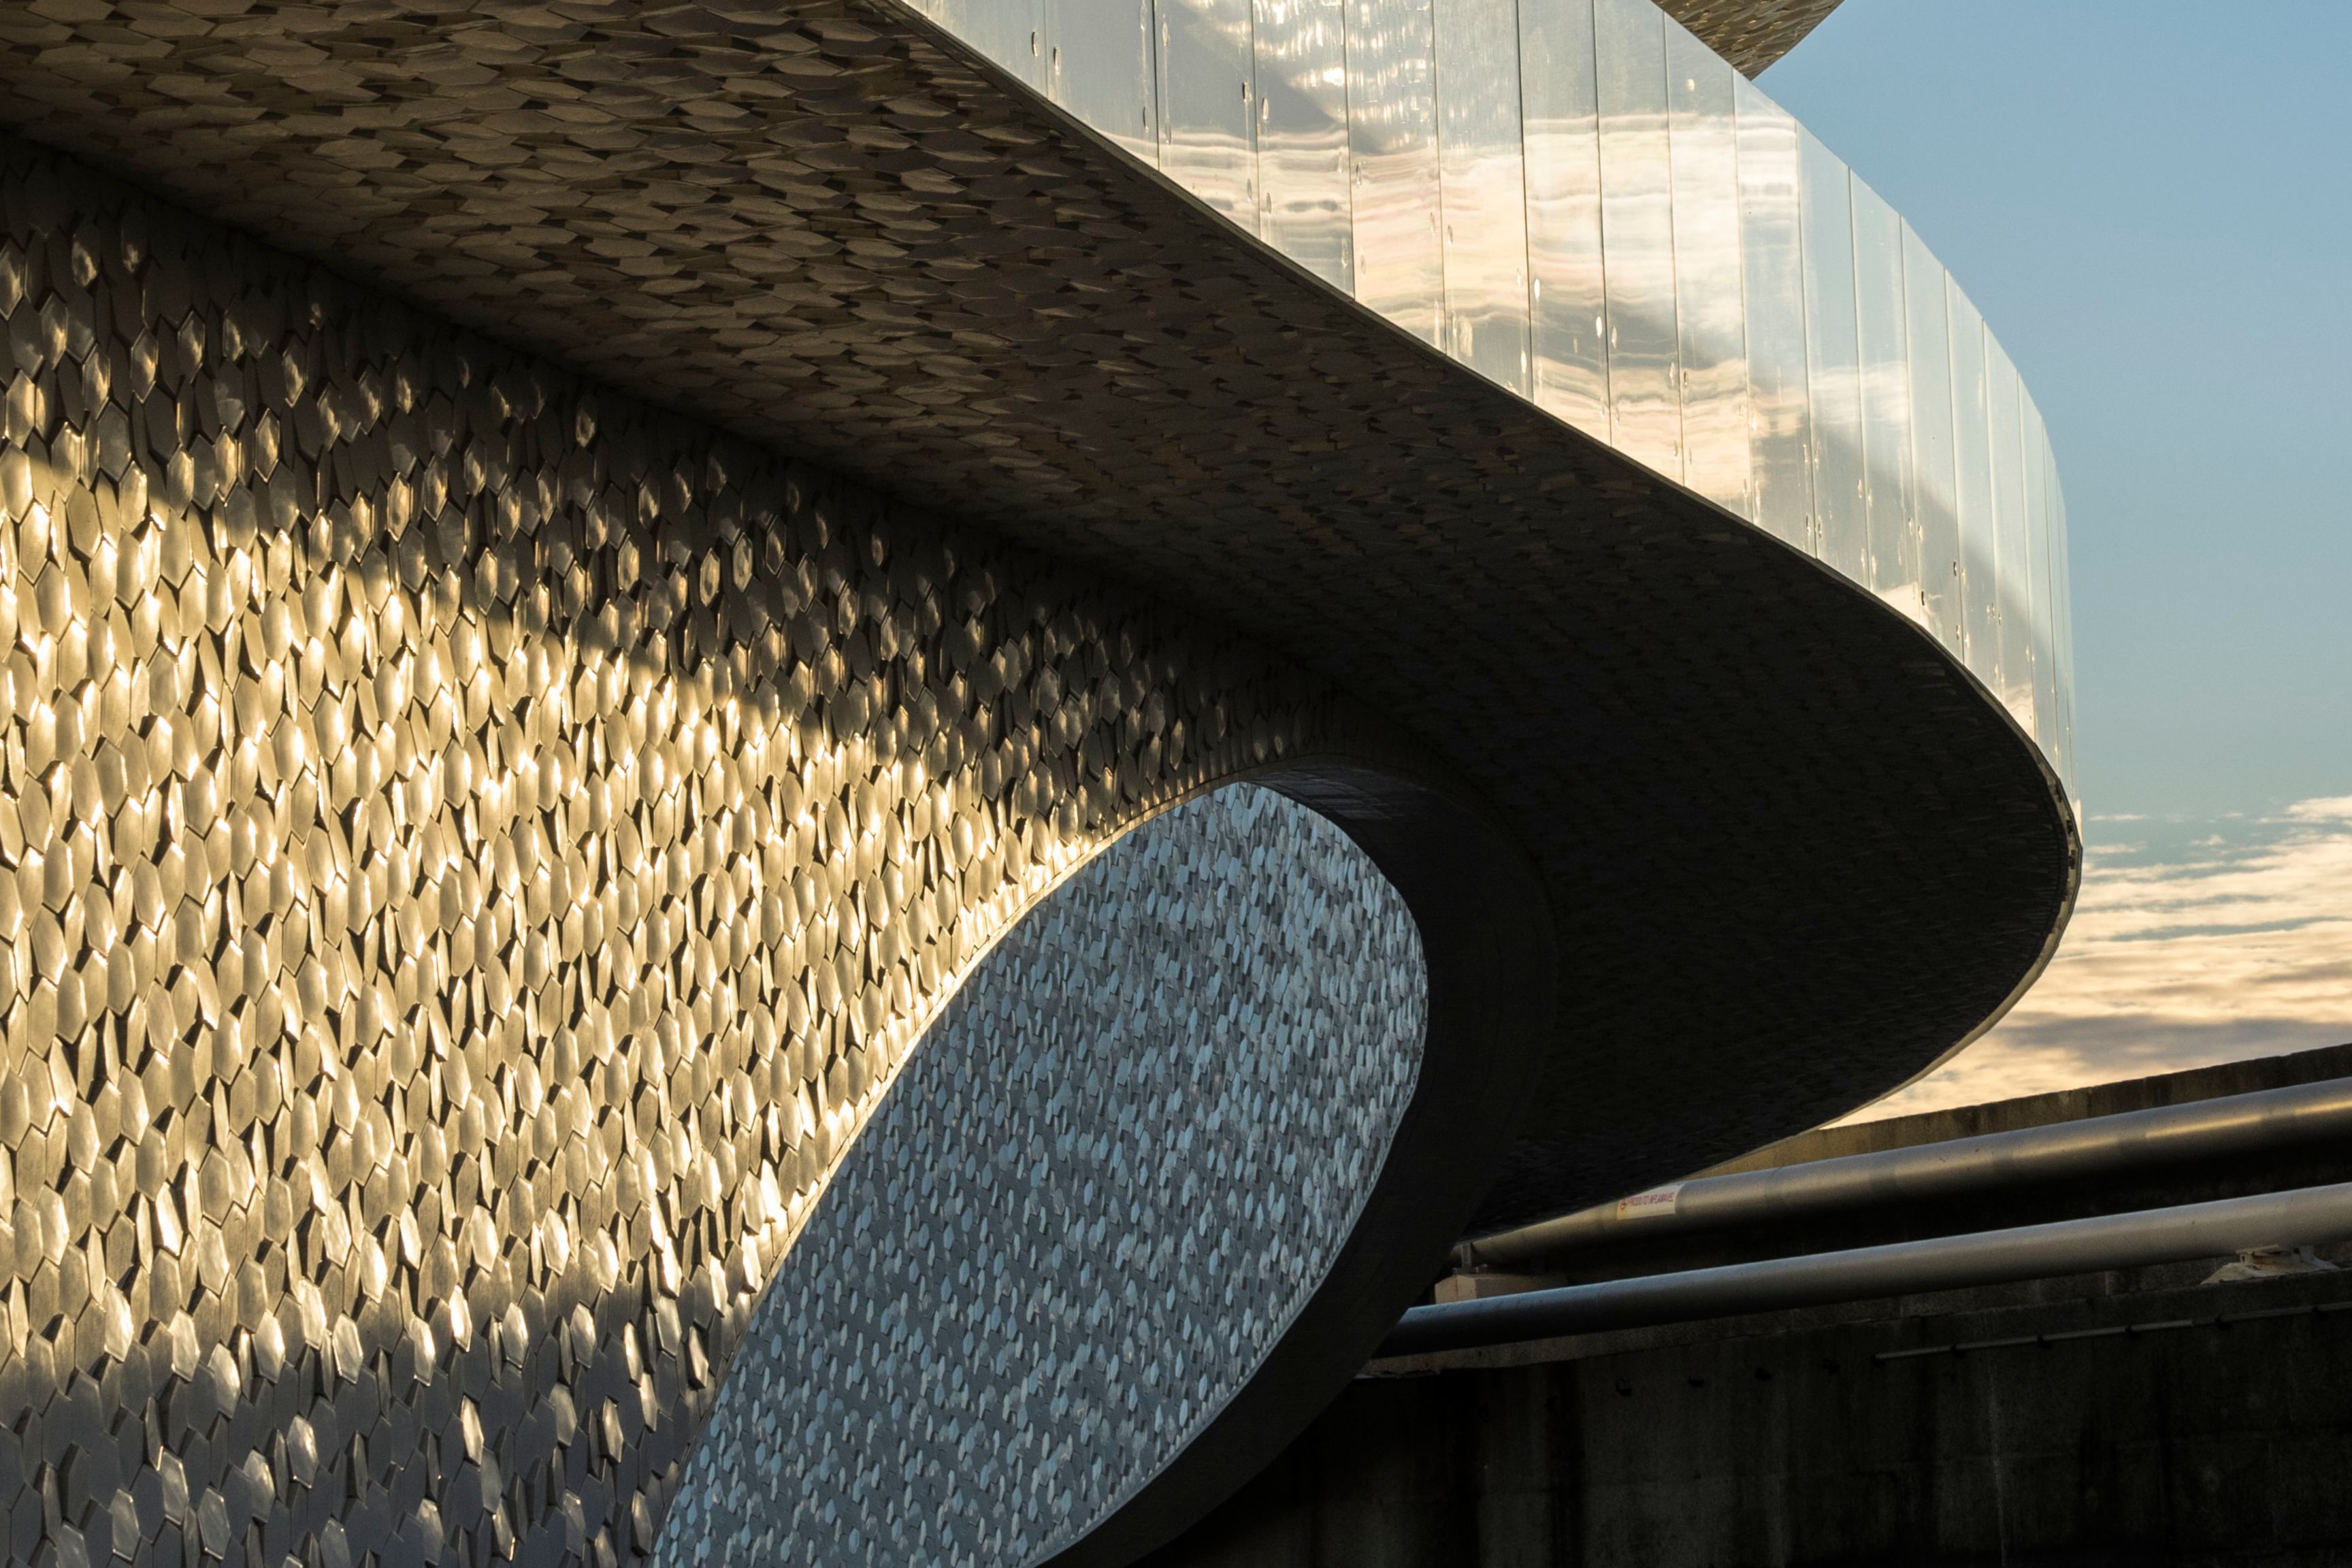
point(1794, 852)
point(1584, 203)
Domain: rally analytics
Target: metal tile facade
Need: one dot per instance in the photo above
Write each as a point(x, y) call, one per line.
point(472, 852)
point(1100, 1192)
point(477, 848)
point(826, 227)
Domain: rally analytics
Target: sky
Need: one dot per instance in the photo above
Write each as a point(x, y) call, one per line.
point(2152, 203)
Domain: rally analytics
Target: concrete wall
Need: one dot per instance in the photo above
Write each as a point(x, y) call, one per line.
point(1825, 1437)
point(1776, 1446)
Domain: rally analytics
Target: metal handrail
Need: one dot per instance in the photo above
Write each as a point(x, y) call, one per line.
point(2093, 1145)
point(2304, 1217)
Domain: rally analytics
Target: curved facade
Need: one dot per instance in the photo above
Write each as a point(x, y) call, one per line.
point(1584, 202)
point(531, 694)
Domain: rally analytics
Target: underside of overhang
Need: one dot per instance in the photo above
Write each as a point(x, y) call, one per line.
point(1750, 34)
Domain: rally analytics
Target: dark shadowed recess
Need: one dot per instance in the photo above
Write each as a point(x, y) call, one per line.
point(1793, 854)
point(1482, 926)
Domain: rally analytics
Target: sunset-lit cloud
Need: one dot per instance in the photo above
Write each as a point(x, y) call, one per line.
point(2186, 949)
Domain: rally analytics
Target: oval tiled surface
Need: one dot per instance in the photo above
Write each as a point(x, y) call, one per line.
point(1106, 1182)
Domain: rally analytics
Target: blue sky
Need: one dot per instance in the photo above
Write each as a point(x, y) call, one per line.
point(2152, 203)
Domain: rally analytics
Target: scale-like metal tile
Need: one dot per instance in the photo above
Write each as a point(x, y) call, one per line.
point(472, 852)
point(412, 750)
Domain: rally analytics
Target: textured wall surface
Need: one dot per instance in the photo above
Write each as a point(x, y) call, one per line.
point(1647, 248)
point(2143, 1435)
point(1103, 1188)
point(537, 793)
point(471, 852)
point(1750, 34)
point(1805, 850)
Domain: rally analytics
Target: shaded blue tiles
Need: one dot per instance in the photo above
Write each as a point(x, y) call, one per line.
point(1105, 1182)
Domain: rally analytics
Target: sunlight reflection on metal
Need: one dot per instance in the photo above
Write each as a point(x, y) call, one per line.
point(1582, 202)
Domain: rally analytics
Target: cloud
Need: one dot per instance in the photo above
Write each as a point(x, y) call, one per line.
point(2192, 944)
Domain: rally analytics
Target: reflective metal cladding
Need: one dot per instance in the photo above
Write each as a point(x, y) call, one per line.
point(1582, 202)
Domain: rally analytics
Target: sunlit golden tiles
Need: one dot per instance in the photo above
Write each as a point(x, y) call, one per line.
point(472, 853)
